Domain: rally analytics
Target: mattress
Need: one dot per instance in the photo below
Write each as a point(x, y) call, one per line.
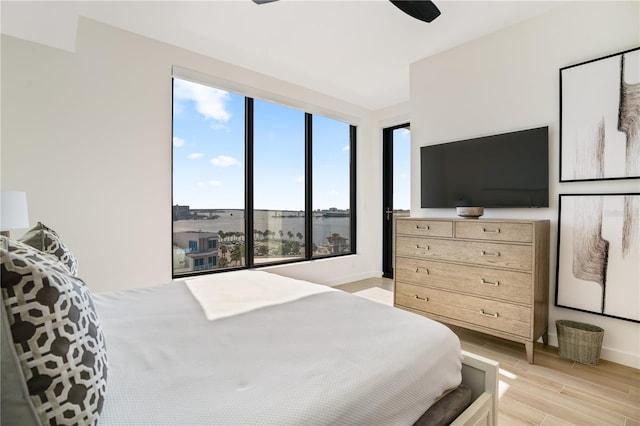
point(319, 356)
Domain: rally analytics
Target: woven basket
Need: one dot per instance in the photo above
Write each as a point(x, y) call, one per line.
point(579, 342)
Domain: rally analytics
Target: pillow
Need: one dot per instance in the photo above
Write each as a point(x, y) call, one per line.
point(16, 408)
point(47, 240)
point(50, 259)
point(56, 335)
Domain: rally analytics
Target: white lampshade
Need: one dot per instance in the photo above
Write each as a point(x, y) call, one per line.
point(13, 210)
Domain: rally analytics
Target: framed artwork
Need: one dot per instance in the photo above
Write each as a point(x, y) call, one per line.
point(599, 118)
point(599, 254)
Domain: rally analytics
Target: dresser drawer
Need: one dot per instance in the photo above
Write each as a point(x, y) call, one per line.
point(496, 315)
point(495, 231)
point(491, 283)
point(477, 252)
point(425, 228)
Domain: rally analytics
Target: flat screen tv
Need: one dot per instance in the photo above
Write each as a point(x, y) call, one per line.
point(505, 170)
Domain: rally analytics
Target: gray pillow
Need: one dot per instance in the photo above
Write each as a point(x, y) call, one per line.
point(56, 336)
point(47, 240)
point(16, 408)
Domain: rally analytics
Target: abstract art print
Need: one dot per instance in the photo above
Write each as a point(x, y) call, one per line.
point(598, 268)
point(600, 118)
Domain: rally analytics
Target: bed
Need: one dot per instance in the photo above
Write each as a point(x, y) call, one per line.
point(237, 348)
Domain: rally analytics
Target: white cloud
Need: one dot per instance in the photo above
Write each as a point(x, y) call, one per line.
point(345, 148)
point(210, 102)
point(219, 126)
point(214, 183)
point(177, 142)
point(194, 156)
point(224, 161)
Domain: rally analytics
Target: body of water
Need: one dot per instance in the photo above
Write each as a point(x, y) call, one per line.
point(233, 221)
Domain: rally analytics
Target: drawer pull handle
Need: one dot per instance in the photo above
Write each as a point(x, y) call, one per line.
point(488, 315)
point(490, 253)
point(418, 268)
point(426, 299)
point(425, 228)
point(425, 247)
point(493, 283)
point(491, 231)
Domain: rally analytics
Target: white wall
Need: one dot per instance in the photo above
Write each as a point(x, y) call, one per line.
point(508, 81)
point(88, 135)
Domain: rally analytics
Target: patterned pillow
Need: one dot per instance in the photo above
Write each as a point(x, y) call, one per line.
point(47, 240)
point(56, 335)
point(50, 259)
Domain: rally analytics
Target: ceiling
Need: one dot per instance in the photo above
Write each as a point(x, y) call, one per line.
point(358, 51)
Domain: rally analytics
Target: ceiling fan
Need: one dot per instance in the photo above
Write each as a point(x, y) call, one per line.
point(423, 10)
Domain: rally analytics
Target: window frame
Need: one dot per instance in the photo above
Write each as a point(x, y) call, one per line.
point(249, 245)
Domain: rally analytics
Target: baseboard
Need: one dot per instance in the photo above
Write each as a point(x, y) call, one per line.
point(343, 279)
point(612, 355)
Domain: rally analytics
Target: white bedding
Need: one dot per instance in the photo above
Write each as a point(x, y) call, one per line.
point(224, 295)
point(322, 358)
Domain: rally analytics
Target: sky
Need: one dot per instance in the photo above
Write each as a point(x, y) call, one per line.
point(401, 169)
point(208, 153)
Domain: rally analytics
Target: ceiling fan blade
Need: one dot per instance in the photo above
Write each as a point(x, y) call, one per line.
point(423, 10)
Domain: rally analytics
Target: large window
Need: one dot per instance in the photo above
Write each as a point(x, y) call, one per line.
point(331, 187)
point(256, 182)
point(278, 181)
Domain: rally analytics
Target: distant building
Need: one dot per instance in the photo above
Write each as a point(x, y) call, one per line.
point(181, 212)
point(334, 212)
point(338, 244)
point(195, 251)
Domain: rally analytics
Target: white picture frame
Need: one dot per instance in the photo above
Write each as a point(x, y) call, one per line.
point(599, 126)
point(598, 254)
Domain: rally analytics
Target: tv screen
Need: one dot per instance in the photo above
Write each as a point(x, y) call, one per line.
point(505, 170)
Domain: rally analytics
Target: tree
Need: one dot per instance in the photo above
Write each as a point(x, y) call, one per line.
point(222, 235)
point(223, 262)
point(290, 235)
point(223, 250)
point(290, 247)
point(266, 233)
point(237, 253)
point(281, 233)
point(300, 236)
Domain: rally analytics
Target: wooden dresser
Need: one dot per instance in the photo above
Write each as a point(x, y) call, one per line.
point(488, 275)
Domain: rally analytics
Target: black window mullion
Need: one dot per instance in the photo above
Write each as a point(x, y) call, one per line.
point(352, 195)
point(308, 179)
point(248, 193)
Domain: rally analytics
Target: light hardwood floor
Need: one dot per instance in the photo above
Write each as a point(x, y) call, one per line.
point(553, 391)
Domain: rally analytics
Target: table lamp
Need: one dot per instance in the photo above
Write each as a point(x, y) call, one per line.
point(13, 211)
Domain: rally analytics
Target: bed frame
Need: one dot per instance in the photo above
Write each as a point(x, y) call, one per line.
point(481, 375)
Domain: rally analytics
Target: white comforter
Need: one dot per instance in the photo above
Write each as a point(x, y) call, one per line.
point(224, 295)
point(315, 358)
